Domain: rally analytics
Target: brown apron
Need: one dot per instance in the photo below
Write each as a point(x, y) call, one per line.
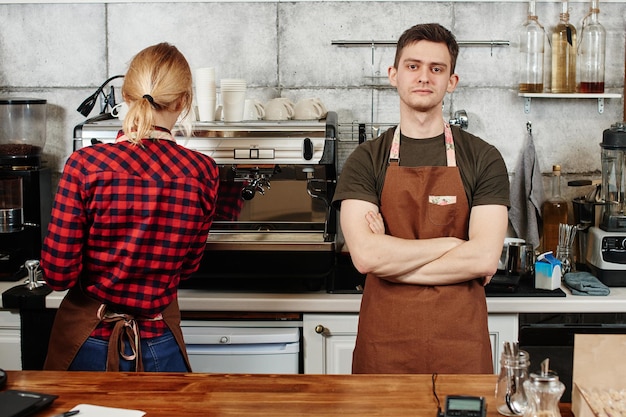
point(421, 329)
point(77, 318)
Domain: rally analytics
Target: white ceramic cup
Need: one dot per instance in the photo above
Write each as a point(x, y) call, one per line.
point(232, 105)
point(279, 109)
point(205, 75)
point(233, 93)
point(120, 110)
point(309, 109)
point(253, 110)
point(206, 110)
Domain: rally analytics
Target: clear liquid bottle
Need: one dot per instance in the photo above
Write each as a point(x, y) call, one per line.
point(554, 212)
point(531, 49)
point(564, 54)
point(591, 52)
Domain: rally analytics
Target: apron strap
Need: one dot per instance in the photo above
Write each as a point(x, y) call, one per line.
point(394, 152)
point(125, 330)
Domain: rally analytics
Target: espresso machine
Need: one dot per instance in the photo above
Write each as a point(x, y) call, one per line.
point(606, 244)
point(274, 228)
point(25, 185)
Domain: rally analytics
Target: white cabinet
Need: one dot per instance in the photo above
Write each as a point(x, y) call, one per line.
point(329, 340)
point(502, 328)
point(10, 350)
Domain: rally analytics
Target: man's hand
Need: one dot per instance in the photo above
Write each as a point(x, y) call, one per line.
point(375, 222)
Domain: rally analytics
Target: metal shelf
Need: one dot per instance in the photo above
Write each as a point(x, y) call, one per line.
point(600, 97)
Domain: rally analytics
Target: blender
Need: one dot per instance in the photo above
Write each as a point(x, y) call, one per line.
point(606, 244)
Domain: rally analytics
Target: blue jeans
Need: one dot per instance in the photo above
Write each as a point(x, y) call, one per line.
point(160, 354)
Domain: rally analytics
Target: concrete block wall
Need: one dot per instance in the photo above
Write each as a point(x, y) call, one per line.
point(63, 51)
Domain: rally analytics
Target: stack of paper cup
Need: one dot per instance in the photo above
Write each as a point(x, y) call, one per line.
point(205, 93)
point(233, 93)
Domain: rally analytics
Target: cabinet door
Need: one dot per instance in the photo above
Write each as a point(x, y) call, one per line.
point(328, 343)
point(10, 349)
point(329, 340)
point(502, 328)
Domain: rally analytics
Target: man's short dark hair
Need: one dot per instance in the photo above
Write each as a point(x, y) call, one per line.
point(432, 32)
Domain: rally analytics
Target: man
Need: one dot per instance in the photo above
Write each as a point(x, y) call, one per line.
point(426, 228)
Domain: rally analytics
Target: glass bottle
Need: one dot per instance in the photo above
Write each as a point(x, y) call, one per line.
point(554, 212)
point(531, 49)
point(591, 52)
point(510, 395)
point(544, 390)
point(564, 54)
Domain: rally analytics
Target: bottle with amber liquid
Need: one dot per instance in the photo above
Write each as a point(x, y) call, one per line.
point(591, 52)
point(564, 54)
point(531, 49)
point(554, 212)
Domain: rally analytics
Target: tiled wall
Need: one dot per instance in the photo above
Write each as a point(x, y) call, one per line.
point(63, 52)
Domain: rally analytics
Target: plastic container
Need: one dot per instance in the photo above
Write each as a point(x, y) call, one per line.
point(22, 127)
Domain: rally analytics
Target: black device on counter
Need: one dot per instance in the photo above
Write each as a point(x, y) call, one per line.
point(14, 403)
point(3, 378)
point(464, 406)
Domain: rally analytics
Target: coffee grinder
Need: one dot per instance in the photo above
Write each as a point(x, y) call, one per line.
point(25, 185)
point(606, 245)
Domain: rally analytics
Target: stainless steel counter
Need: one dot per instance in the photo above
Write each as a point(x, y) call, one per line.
point(322, 302)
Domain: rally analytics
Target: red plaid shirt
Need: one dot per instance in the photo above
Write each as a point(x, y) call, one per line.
point(129, 222)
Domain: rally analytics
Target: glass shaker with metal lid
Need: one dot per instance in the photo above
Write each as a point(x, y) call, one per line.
point(543, 392)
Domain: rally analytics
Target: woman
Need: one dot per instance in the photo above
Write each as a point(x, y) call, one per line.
point(129, 221)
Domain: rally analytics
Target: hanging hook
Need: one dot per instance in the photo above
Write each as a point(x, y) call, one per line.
point(529, 127)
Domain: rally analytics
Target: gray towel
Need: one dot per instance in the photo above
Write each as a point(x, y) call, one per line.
point(583, 283)
point(527, 195)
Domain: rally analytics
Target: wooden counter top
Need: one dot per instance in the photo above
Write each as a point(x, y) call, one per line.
point(197, 394)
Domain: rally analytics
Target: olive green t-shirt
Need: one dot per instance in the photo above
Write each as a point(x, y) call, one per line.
point(483, 171)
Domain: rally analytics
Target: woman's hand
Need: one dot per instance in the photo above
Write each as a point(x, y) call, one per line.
point(375, 222)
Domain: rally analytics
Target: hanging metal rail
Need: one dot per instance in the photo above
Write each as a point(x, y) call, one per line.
point(393, 43)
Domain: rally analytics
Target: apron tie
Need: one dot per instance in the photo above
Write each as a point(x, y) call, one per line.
point(125, 330)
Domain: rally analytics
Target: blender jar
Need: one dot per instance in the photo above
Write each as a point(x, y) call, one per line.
point(22, 128)
point(614, 178)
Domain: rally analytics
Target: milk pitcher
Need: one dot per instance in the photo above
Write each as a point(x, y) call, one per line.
point(510, 395)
